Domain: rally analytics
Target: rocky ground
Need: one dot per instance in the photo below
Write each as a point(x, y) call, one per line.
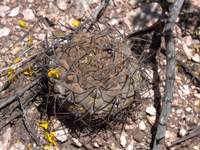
point(38, 18)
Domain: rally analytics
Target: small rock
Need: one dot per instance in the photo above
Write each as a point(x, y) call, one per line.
point(4, 32)
point(113, 22)
point(30, 1)
point(188, 41)
point(195, 147)
point(133, 2)
point(151, 110)
point(175, 103)
point(182, 132)
point(187, 51)
point(138, 135)
point(123, 139)
point(195, 58)
point(4, 10)
point(178, 111)
point(62, 4)
point(151, 119)
point(167, 134)
point(185, 89)
point(197, 95)
point(76, 142)
point(195, 67)
point(61, 134)
point(142, 126)
point(28, 14)
point(130, 146)
point(14, 12)
point(96, 145)
point(188, 109)
point(16, 51)
point(18, 146)
point(189, 118)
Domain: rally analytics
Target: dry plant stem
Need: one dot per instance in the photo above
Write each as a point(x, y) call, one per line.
point(26, 122)
point(94, 17)
point(18, 114)
point(170, 75)
point(19, 94)
point(193, 133)
point(9, 66)
point(188, 69)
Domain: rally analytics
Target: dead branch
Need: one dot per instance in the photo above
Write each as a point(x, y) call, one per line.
point(99, 10)
point(19, 94)
point(27, 123)
point(170, 75)
point(188, 69)
point(194, 132)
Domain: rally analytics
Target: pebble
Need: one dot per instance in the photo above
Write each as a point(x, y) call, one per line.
point(14, 12)
point(123, 139)
point(151, 119)
point(76, 142)
point(188, 41)
point(195, 58)
point(142, 126)
point(96, 145)
point(3, 10)
point(167, 134)
point(28, 14)
point(195, 147)
point(113, 22)
point(178, 111)
point(4, 32)
point(197, 95)
point(182, 132)
point(61, 134)
point(189, 118)
point(188, 109)
point(151, 110)
point(62, 4)
point(195, 67)
point(138, 135)
point(130, 146)
point(187, 51)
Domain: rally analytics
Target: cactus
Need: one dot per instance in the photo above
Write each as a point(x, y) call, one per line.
point(98, 74)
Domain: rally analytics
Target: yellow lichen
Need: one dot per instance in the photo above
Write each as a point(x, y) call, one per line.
point(30, 41)
point(11, 71)
point(23, 24)
point(16, 60)
point(76, 23)
point(60, 32)
point(54, 72)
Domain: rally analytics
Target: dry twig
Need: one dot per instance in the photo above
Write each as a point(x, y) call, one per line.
point(170, 76)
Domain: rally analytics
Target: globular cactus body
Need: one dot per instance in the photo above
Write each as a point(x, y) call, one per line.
point(99, 74)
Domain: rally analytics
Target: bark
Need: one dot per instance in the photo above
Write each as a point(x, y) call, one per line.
point(170, 75)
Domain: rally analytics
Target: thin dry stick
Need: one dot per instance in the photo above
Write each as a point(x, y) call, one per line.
point(188, 69)
point(94, 17)
point(26, 122)
point(17, 115)
point(195, 131)
point(170, 75)
point(19, 94)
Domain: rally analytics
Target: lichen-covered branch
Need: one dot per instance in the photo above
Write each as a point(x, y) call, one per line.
point(170, 75)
